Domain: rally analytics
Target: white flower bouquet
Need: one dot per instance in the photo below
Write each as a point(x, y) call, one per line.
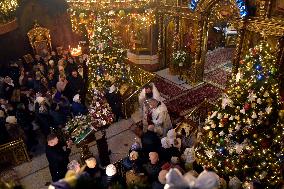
point(179, 57)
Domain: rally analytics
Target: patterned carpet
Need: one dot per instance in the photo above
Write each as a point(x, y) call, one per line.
point(218, 57)
point(191, 98)
point(167, 88)
point(217, 77)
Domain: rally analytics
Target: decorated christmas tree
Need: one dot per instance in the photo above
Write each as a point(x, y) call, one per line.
point(244, 136)
point(100, 110)
point(107, 56)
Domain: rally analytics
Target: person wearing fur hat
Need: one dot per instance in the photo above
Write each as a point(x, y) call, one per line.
point(160, 116)
point(77, 107)
point(115, 102)
point(175, 180)
point(207, 180)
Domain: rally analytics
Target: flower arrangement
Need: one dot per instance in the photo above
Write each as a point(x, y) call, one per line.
point(100, 110)
point(79, 127)
point(179, 57)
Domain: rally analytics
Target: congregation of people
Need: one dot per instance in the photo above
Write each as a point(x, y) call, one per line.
point(159, 158)
point(44, 93)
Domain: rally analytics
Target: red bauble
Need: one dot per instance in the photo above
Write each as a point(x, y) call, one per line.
point(254, 51)
point(265, 143)
point(247, 106)
point(224, 121)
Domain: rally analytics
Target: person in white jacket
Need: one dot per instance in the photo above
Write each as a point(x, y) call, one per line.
point(160, 117)
point(148, 92)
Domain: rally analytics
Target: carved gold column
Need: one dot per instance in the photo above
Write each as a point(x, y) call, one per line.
point(174, 69)
point(161, 48)
point(196, 68)
point(176, 42)
point(263, 8)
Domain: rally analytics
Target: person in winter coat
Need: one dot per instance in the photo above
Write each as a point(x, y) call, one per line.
point(114, 99)
point(24, 120)
point(77, 107)
point(150, 141)
point(57, 157)
point(76, 82)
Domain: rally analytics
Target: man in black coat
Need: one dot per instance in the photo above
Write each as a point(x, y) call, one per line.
point(57, 157)
point(76, 83)
point(151, 142)
point(115, 102)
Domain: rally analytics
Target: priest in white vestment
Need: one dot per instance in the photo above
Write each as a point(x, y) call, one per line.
point(160, 117)
point(148, 92)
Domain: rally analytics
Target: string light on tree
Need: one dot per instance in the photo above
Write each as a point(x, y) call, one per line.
point(248, 145)
point(107, 56)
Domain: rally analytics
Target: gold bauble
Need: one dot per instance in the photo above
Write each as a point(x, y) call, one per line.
point(210, 134)
point(121, 13)
point(281, 114)
point(254, 135)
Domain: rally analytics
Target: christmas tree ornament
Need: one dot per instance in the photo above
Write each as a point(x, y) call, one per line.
point(243, 111)
point(281, 114)
point(253, 116)
point(268, 110)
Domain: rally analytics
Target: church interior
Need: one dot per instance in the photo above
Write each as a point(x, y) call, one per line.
point(142, 94)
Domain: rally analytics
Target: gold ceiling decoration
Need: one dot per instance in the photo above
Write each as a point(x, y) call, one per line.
point(266, 27)
point(223, 11)
point(99, 5)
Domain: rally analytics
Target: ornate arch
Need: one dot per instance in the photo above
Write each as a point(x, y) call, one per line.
point(205, 5)
point(206, 10)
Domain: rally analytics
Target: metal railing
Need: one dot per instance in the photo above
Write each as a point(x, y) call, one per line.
point(196, 118)
point(14, 152)
point(139, 78)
